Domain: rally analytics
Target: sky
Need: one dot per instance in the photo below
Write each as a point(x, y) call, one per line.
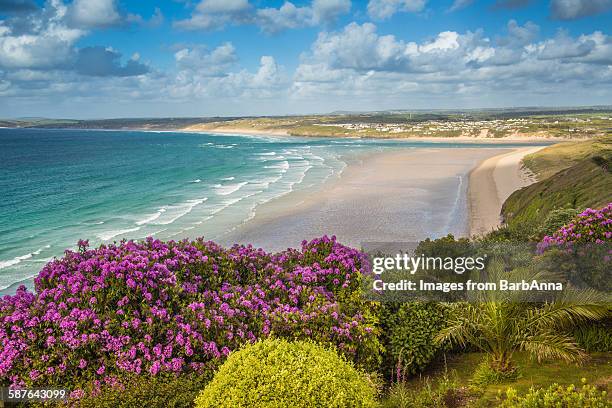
point(116, 58)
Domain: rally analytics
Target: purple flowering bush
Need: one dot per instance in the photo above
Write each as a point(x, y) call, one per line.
point(151, 307)
point(590, 226)
point(581, 249)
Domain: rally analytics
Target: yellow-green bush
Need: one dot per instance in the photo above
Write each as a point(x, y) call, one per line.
point(281, 374)
point(557, 396)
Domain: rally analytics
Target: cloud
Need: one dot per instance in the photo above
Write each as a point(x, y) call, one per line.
point(46, 42)
point(94, 13)
point(357, 62)
point(206, 74)
point(460, 4)
point(216, 14)
point(204, 63)
point(327, 11)
point(17, 6)
point(519, 35)
point(105, 62)
point(288, 16)
point(156, 20)
point(575, 9)
point(384, 9)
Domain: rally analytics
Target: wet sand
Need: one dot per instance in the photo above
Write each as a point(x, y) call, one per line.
point(400, 196)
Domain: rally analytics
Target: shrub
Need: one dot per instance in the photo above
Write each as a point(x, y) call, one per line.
point(556, 219)
point(277, 373)
point(485, 375)
point(408, 332)
point(556, 396)
point(162, 391)
point(590, 226)
point(444, 393)
point(596, 337)
point(178, 307)
point(581, 249)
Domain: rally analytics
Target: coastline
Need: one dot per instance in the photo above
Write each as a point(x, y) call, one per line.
point(272, 132)
point(405, 195)
point(491, 183)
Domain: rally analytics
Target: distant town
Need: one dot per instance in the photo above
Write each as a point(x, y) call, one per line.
point(571, 123)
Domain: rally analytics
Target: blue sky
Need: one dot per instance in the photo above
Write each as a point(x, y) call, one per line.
point(113, 58)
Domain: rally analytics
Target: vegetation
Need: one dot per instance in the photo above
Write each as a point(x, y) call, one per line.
point(137, 391)
point(595, 337)
point(551, 160)
point(152, 308)
point(502, 328)
point(407, 332)
point(586, 182)
point(277, 373)
point(160, 324)
point(445, 392)
point(568, 123)
point(556, 396)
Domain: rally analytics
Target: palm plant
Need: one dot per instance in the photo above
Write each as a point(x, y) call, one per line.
point(501, 324)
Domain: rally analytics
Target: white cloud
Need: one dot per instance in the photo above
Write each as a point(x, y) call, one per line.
point(383, 9)
point(357, 61)
point(326, 11)
point(204, 63)
point(48, 42)
point(216, 14)
point(287, 16)
point(94, 13)
point(205, 74)
point(574, 9)
point(562, 46)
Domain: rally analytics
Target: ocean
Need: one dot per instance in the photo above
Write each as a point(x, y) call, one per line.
point(59, 186)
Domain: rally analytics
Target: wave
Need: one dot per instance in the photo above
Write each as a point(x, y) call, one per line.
point(16, 260)
point(228, 178)
point(182, 210)
point(105, 236)
point(229, 189)
point(284, 166)
point(267, 154)
point(152, 217)
point(265, 183)
point(196, 181)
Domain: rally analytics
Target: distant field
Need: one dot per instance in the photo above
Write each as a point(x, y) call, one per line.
point(569, 123)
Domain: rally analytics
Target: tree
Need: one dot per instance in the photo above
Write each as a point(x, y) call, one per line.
point(501, 323)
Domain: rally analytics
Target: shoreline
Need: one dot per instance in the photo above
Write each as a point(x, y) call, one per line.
point(443, 139)
point(527, 140)
point(401, 195)
point(497, 178)
point(404, 195)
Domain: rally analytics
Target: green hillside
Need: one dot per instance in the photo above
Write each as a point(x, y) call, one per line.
point(561, 156)
point(573, 175)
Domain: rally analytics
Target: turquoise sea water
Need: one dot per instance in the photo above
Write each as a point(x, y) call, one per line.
point(57, 186)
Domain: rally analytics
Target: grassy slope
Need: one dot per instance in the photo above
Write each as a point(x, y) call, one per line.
point(569, 178)
point(597, 370)
point(555, 158)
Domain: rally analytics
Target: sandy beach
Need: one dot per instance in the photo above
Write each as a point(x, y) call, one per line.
point(491, 183)
point(511, 138)
point(400, 196)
